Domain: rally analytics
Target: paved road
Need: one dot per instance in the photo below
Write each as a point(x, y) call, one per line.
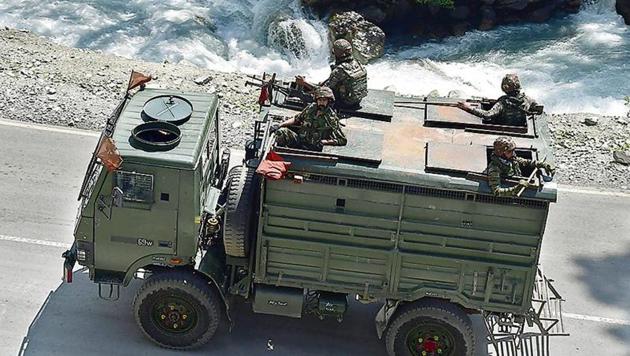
point(586, 249)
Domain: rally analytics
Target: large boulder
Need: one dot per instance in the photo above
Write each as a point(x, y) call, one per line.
point(368, 40)
point(623, 8)
point(286, 36)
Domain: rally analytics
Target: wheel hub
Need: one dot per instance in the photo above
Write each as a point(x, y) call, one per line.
point(174, 315)
point(430, 340)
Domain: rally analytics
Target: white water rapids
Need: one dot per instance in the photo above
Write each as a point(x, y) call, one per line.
point(575, 63)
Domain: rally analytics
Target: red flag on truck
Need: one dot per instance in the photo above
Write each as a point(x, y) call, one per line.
point(264, 95)
point(137, 79)
point(108, 154)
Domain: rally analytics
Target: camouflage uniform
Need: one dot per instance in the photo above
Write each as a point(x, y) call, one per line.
point(348, 78)
point(510, 109)
point(501, 167)
point(314, 125)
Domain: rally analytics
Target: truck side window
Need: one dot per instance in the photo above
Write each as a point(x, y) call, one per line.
point(136, 187)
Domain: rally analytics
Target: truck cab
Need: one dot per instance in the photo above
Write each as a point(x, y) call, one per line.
point(148, 211)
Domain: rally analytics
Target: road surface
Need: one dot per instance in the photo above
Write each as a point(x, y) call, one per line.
point(586, 250)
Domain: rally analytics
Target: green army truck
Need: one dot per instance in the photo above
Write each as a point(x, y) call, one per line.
point(401, 216)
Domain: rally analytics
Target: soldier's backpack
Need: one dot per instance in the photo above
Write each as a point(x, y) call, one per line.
point(355, 86)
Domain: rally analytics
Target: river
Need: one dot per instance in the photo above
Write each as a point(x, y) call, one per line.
point(573, 63)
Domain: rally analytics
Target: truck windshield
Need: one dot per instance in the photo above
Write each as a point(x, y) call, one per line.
point(90, 182)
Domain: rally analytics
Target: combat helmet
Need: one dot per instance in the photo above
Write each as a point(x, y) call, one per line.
point(342, 48)
point(510, 83)
point(503, 144)
point(324, 92)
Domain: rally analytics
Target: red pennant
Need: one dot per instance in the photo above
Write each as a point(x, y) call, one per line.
point(264, 95)
point(137, 79)
point(109, 155)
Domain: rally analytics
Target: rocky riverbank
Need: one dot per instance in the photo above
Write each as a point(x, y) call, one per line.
point(442, 18)
point(47, 83)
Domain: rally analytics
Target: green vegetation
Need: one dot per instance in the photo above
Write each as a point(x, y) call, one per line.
point(442, 3)
point(627, 99)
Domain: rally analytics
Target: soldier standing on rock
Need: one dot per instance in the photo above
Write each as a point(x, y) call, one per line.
point(504, 163)
point(510, 109)
point(317, 125)
point(348, 79)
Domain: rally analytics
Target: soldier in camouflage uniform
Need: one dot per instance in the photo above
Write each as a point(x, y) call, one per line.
point(317, 125)
point(510, 109)
point(348, 78)
point(504, 163)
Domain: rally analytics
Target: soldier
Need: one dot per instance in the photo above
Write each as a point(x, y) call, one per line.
point(504, 163)
point(510, 109)
point(317, 125)
point(348, 78)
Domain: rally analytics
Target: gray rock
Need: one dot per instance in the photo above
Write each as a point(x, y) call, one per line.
point(623, 8)
point(622, 157)
point(203, 80)
point(591, 121)
point(368, 40)
point(285, 35)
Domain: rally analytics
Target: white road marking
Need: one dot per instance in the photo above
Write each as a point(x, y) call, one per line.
point(34, 241)
point(41, 127)
point(591, 191)
point(597, 319)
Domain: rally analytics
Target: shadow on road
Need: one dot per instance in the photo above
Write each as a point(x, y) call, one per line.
point(609, 283)
point(73, 321)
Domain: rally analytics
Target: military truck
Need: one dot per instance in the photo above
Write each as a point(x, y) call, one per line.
point(401, 216)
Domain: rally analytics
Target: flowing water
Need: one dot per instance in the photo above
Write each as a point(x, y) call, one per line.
point(575, 63)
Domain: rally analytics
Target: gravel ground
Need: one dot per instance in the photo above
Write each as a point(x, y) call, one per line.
point(44, 82)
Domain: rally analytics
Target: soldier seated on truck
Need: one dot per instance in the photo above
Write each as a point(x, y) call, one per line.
point(317, 125)
point(504, 163)
point(348, 78)
point(511, 109)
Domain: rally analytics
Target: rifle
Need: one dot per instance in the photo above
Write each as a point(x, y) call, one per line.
point(533, 110)
point(267, 86)
point(306, 86)
point(535, 172)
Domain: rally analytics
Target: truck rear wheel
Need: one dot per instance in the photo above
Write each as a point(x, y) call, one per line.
point(177, 310)
point(430, 327)
point(238, 213)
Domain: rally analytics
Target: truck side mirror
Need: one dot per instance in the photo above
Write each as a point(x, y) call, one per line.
point(117, 197)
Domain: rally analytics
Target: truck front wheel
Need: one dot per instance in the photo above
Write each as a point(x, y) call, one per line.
point(430, 327)
point(177, 310)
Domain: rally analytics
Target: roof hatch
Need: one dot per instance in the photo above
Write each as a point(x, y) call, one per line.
point(155, 136)
point(168, 108)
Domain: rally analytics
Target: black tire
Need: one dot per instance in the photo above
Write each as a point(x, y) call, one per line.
point(239, 211)
point(426, 318)
point(168, 298)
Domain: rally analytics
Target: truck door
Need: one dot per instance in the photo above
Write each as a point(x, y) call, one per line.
point(135, 217)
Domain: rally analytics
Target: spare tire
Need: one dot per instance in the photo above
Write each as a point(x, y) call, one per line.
point(239, 211)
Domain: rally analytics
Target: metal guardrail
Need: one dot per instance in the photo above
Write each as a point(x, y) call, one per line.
point(528, 335)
